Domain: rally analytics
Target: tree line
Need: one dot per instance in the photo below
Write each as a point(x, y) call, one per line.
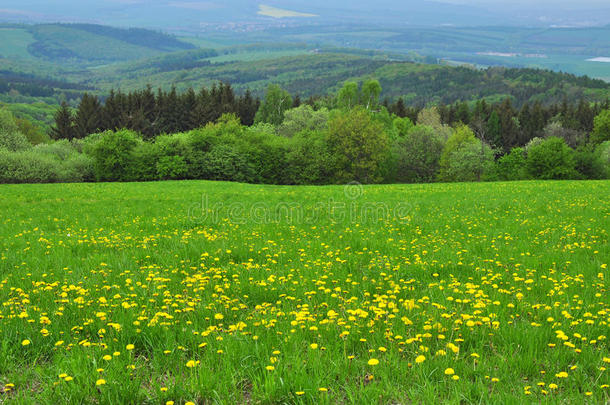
point(349, 136)
point(153, 113)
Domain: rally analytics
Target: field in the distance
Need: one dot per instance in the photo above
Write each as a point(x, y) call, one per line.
point(228, 293)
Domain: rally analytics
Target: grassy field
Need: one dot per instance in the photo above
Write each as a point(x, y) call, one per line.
point(209, 292)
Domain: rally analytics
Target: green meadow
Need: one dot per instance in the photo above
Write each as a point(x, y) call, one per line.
point(205, 292)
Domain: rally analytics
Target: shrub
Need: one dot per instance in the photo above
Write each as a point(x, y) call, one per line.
point(512, 166)
point(72, 165)
point(470, 162)
point(603, 152)
point(601, 128)
point(551, 159)
point(588, 163)
point(226, 162)
point(359, 145)
point(416, 155)
point(114, 157)
point(10, 137)
point(171, 168)
point(309, 160)
point(303, 118)
point(27, 166)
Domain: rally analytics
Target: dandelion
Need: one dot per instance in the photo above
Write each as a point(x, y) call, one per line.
point(25, 342)
point(191, 363)
point(313, 346)
point(420, 359)
point(129, 347)
point(101, 381)
point(373, 362)
point(561, 374)
point(449, 371)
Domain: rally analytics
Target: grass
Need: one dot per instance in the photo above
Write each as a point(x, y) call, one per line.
point(228, 293)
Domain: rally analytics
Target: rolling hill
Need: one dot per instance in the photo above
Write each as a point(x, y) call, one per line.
point(85, 43)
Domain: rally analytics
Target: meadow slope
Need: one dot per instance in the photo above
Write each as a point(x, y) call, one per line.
point(230, 293)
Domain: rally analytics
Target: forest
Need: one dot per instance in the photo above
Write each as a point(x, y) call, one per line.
point(352, 135)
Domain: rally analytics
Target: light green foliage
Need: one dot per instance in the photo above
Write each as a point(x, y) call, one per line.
point(603, 151)
point(402, 126)
point(303, 118)
point(371, 90)
point(469, 162)
point(359, 145)
point(349, 95)
point(460, 137)
point(272, 109)
point(551, 159)
point(10, 137)
point(431, 118)
point(601, 128)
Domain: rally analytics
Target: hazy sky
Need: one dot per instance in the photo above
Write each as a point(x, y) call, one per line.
point(535, 4)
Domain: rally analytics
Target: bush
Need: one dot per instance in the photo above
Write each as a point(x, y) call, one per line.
point(551, 159)
point(27, 166)
point(114, 157)
point(359, 145)
point(303, 118)
point(588, 163)
point(603, 152)
point(171, 168)
point(512, 166)
point(460, 138)
point(309, 159)
point(601, 128)
point(72, 165)
point(10, 137)
point(470, 162)
point(225, 162)
point(416, 155)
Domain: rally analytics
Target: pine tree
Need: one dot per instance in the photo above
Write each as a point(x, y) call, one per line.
point(64, 123)
point(88, 116)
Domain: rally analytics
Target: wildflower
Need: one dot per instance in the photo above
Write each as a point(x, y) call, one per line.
point(101, 381)
point(561, 374)
point(449, 371)
point(25, 342)
point(373, 362)
point(129, 347)
point(420, 359)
